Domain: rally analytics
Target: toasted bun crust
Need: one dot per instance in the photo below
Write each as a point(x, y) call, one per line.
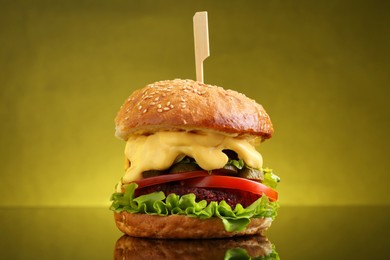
point(142, 248)
point(182, 227)
point(187, 105)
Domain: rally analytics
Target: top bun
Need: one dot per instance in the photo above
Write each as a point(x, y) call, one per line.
point(190, 105)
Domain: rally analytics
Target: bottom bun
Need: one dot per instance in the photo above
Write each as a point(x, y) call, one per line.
point(182, 227)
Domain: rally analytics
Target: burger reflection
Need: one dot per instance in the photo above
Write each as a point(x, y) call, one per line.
point(252, 247)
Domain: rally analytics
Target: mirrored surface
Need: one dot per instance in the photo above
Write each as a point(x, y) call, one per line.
point(297, 233)
point(233, 248)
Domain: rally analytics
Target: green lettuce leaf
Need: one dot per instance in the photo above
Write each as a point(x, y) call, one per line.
point(270, 179)
point(236, 254)
point(242, 254)
point(157, 203)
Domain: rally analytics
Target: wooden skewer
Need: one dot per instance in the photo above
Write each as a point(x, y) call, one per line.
point(201, 40)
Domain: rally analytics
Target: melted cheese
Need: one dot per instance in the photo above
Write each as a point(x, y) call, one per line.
point(159, 151)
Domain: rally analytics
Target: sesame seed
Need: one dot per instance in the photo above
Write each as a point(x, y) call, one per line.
point(168, 103)
point(145, 110)
point(159, 110)
point(159, 105)
point(140, 107)
point(171, 106)
point(157, 98)
point(166, 108)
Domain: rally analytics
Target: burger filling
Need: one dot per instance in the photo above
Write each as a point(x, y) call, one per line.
point(159, 151)
point(199, 174)
point(232, 197)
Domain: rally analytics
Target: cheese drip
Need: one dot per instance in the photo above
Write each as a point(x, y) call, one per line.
point(159, 151)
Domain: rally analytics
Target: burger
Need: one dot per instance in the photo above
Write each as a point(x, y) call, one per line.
point(248, 247)
point(192, 169)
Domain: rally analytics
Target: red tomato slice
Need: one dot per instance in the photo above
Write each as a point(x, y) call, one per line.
point(169, 178)
point(228, 182)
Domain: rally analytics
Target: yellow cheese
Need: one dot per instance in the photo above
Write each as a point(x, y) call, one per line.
point(159, 151)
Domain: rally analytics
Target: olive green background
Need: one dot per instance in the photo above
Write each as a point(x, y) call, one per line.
point(320, 68)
